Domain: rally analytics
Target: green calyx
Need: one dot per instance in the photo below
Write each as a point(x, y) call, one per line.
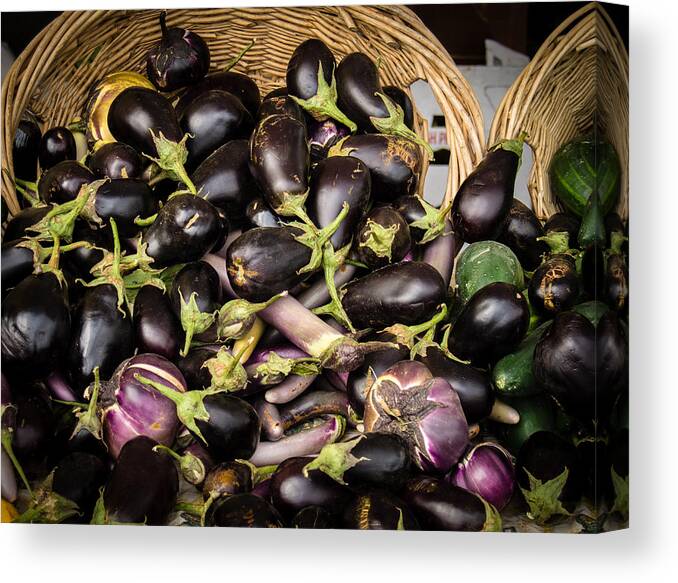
point(338, 149)
point(275, 368)
point(617, 239)
point(47, 507)
point(543, 498)
point(335, 459)
point(192, 468)
point(621, 494)
point(6, 434)
point(259, 474)
point(331, 262)
point(345, 354)
point(90, 418)
point(324, 103)
point(171, 158)
point(228, 374)
point(558, 241)
point(492, 517)
point(379, 239)
point(193, 321)
point(433, 221)
point(25, 191)
point(293, 205)
point(514, 145)
point(407, 335)
point(100, 514)
point(394, 124)
point(236, 317)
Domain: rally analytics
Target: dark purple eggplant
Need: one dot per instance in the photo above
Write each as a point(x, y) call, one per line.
point(25, 148)
point(520, 233)
point(16, 263)
point(554, 287)
point(279, 156)
point(491, 324)
point(383, 237)
point(78, 477)
point(156, 328)
point(33, 425)
point(259, 214)
point(406, 293)
point(362, 98)
point(225, 179)
point(36, 325)
point(186, 228)
point(442, 506)
point(125, 199)
point(411, 209)
point(322, 135)
point(102, 336)
point(243, 511)
point(18, 226)
point(484, 199)
point(57, 144)
point(238, 84)
point(226, 479)
point(143, 487)
point(212, 119)
point(564, 223)
point(335, 181)
point(115, 160)
point(280, 105)
point(254, 264)
point(181, 58)
point(63, 181)
point(393, 162)
point(193, 367)
point(313, 517)
point(313, 404)
point(83, 259)
point(616, 283)
point(403, 100)
point(378, 511)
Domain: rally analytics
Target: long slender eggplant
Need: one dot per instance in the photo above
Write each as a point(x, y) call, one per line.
point(125, 199)
point(57, 145)
point(554, 286)
point(156, 327)
point(383, 237)
point(238, 84)
point(313, 404)
point(243, 511)
point(25, 149)
point(379, 511)
point(63, 181)
point(115, 160)
point(521, 233)
point(484, 199)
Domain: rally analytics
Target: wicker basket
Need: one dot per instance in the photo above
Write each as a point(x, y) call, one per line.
point(53, 75)
point(579, 74)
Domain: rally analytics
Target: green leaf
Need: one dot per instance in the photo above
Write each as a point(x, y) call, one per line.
point(543, 498)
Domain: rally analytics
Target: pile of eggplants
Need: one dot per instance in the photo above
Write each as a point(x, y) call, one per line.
point(236, 311)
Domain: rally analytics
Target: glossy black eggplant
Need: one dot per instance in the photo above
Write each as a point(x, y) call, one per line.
point(403, 100)
point(225, 179)
point(383, 237)
point(313, 517)
point(238, 84)
point(491, 324)
point(393, 162)
point(280, 161)
point(483, 201)
point(156, 327)
point(125, 199)
point(520, 233)
point(564, 223)
point(411, 209)
point(25, 149)
point(616, 283)
point(554, 286)
point(103, 335)
point(78, 477)
point(280, 105)
point(115, 160)
point(313, 404)
point(254, 264)
point(243, 511)
point(36, 325)
point(57, 144)
point(82, 259)
point(17, 226)
point(16, 264)
point(212, 119)
point(406, 293)
point(143, 486)
point(383, 462)
point(192, 366)
point(335, 181)
point(226, 479)
point(259, 214)
point(186, 228)
point(63, 181)
point(181, 58)
point(378, 511)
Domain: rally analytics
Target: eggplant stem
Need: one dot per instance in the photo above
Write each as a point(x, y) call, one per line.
point(31, 200)
point(235, 60)
point(163, 23)
point(89, 420)
point(9, 450)
point(26, 184)
point(147, 222)
point(394, 124)
point(334, 308)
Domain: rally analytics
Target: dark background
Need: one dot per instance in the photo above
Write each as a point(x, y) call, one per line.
point(462, 28)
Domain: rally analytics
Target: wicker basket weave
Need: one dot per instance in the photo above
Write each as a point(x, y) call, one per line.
point(53, 75)
point(578, 76)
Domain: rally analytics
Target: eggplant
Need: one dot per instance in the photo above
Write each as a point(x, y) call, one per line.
point(548, 473)
point(36, 325)
point(406, 293)
point(521, 234)
point(491, 324)
point(185, 229)
point(394, 163)
point(335, 181)
point(226, 479)
point(412, 210)
point(313, 517)
point(279, 155)
point(102, 335)
point(62, 182)
point(238, 84)
point(616, 283)
point(362, 98)
point(564, 223)
point(554, 286)
point(18, 227)
point(17, 264)
point(57, 144)
point(483, 201)
point(78, 477)
point(143, 486)
point(313, 404)
point(83, 259)
point(224, 179)
point(25, 148)
point(33, 425)
point(125, 199)
point(442, 506)
point(280, 105)
point(403, 100)
point(156, 328)
point(115, 160)
point(322, 135)
point(383, 237)
point(259, 214)
point(593, 272)
point(254, 267)
point(378, 511)
point(212, 119)
point(243, 511)
point(181, 58)
point(193, 367)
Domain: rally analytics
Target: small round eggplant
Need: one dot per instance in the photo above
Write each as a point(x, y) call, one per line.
point(115, 160)
point(102, 336)
point(483, 201)
point(322, 135)
point(554, 287)
point(259, 214)
point(25, 148)
point(36, 325)
point(254, 264)
point(57, 145)
point(564, 223)
point(238, 84)
point(379, 511)
point(143, 487)
point(335, 181)
point(383, 237)
point(16, 264)
point(156, 328)
point(383, 462)
point(212, 119)
point(225, 179)
point(125, 199)
point(407, 293)
point(78, 477)
point(63, 181)
point(18, 226)
point(491, 324)
point(403, 100)
point(442, 506)
point(193, 367)
point(393, 162)
point(520, 233)
point(243, 511)
point(280, 105)
point(186, 228)
point(313, 517)
point(616, 283)
point(226, 479)
point(181, 58)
